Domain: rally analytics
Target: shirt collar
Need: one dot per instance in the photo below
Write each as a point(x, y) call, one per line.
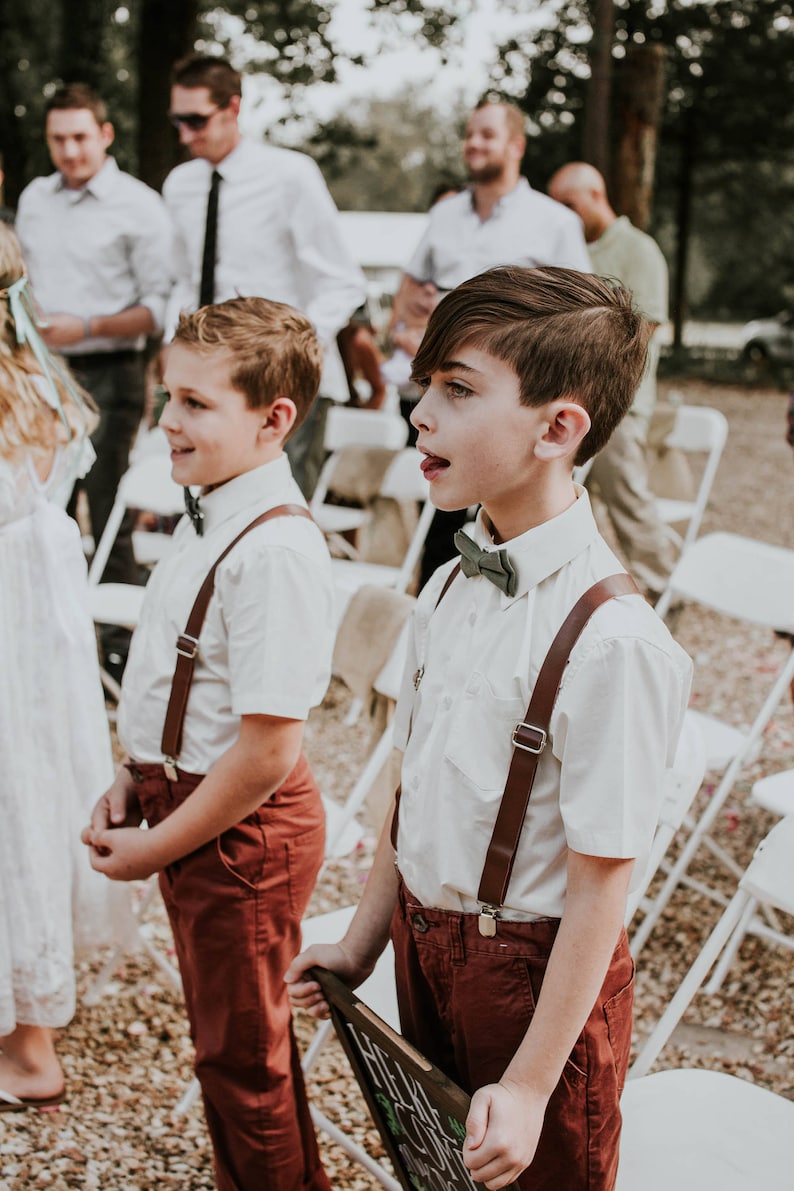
point(99, 186)
point(253, 488)
point(234, 164)
point(521, 186)
point(543, 550)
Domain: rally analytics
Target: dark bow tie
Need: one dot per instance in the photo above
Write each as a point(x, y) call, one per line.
point(193, 510)
point(493, 564)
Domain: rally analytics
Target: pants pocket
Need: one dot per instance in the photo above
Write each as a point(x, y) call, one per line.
point(241, 850)
point(618, 1011)
point(304, 858)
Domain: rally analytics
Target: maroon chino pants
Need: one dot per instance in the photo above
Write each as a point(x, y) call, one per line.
point(466, 1001)
point(235, 907)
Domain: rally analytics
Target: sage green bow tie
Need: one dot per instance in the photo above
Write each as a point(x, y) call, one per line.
point(493, 564)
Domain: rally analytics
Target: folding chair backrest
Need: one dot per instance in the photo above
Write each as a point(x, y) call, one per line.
point(698, 429)
point(146, 485)
point(346, 427)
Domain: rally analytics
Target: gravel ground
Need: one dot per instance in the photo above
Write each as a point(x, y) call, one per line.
point(127, 1058)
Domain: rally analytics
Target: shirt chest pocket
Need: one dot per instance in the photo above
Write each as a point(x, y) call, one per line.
point(479, 741)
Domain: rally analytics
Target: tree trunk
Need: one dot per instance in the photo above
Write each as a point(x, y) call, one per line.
point(683, 223)
point(168, 30)
point(81, 58)
point(641, 96)
point(595, 141)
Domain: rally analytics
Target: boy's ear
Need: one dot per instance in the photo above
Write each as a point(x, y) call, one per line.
point(278, 419)
point(568, 423)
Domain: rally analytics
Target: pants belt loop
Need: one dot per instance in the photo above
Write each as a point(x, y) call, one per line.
point(457, 945)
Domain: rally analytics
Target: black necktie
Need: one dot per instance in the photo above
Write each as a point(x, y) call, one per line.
point(493, 564)
point(207, 287)
point(194, 512)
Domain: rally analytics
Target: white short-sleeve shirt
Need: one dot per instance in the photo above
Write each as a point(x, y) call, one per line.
point(265, 648)
point(614, 728)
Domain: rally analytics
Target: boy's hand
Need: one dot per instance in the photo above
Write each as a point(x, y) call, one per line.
point(502, 1132)
point(124, 854)
point(118, 807)
point(307, 994)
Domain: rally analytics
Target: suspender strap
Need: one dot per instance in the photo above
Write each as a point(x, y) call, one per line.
point(187, 644)
point(529, 739)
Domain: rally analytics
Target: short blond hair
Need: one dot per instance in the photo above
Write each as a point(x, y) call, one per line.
point(274, 348)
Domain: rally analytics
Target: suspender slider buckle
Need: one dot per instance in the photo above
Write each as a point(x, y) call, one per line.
point(187, 646)
point(529, 738)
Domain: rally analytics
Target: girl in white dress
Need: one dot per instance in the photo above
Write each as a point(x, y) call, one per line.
point(55, 757)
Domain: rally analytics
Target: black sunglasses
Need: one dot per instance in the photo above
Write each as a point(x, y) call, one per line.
point(195, 121)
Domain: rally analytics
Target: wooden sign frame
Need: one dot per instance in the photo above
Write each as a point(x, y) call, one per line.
point(419, 1112)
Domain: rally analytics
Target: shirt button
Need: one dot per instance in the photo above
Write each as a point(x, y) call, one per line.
point(446, 703)
point(473, 617)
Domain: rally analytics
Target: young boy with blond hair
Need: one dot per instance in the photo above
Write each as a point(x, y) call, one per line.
point(232, 651)
point(512, 963)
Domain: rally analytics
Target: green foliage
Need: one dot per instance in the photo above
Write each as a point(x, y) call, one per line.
point(730, 103)
point(388, 154)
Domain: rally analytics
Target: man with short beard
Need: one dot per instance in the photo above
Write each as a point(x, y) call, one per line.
point(497, 220)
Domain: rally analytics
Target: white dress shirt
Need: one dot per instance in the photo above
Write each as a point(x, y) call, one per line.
point(265, 648)
point(614, 729)
point(525, 228)
point(279, 237)
point(97, 250)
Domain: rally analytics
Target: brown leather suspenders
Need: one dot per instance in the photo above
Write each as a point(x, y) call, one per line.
point(187, 645)
point(529, 739)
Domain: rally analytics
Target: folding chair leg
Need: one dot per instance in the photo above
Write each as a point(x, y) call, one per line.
point(716, 803)
point(132, 940)
point(187, 1099)
point(730, 950)
point(355, 1151)
point(649, 1052)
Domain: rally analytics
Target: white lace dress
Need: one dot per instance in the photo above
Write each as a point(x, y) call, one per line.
point(55, 757)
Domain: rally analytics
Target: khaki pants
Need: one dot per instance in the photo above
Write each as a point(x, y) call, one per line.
point(235, 907)
point(619, 476)
point(466, 1001)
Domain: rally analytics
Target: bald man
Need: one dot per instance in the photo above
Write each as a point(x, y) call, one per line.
point(619, 474)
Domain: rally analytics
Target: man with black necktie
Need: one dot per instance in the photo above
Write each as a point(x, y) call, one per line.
point(253, 219)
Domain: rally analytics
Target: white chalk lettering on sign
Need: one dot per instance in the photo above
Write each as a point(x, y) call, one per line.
point(429, 1141)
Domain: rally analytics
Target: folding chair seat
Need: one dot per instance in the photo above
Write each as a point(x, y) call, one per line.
point(697, 430)
point(768, 881)
point(749, 581)
point(696, 1130)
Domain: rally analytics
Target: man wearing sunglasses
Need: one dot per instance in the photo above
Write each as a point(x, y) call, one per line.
point(253, 219)
point(97, 247)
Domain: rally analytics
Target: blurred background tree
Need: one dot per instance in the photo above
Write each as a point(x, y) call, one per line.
point(685, 101)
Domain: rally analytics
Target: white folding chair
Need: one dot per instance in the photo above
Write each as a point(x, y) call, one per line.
point(403, 482)
point(146, 485)
point(697, 430)
point(767, 881)
point(696, 1130)
point(750, 581)
point(682, 784)
point(346, 427)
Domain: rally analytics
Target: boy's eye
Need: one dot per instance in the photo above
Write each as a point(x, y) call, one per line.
point(456, 389)
point(421, 382)
point(194, 403)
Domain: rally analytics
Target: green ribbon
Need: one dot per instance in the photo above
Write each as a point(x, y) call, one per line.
point(493, 564)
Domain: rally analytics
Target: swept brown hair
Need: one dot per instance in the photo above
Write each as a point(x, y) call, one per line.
point(565, 334)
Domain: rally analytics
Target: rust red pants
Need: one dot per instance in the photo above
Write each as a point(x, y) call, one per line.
point(235, 907)
point(466, 1002)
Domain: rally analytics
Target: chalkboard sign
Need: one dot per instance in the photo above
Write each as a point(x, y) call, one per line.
point(420, 1114)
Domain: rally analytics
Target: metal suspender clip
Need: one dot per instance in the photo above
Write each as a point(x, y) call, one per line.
point(486, 923)
point(169, 767)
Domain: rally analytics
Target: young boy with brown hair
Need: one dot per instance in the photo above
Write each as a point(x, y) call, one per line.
point(232, 650)
point(513, 969)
